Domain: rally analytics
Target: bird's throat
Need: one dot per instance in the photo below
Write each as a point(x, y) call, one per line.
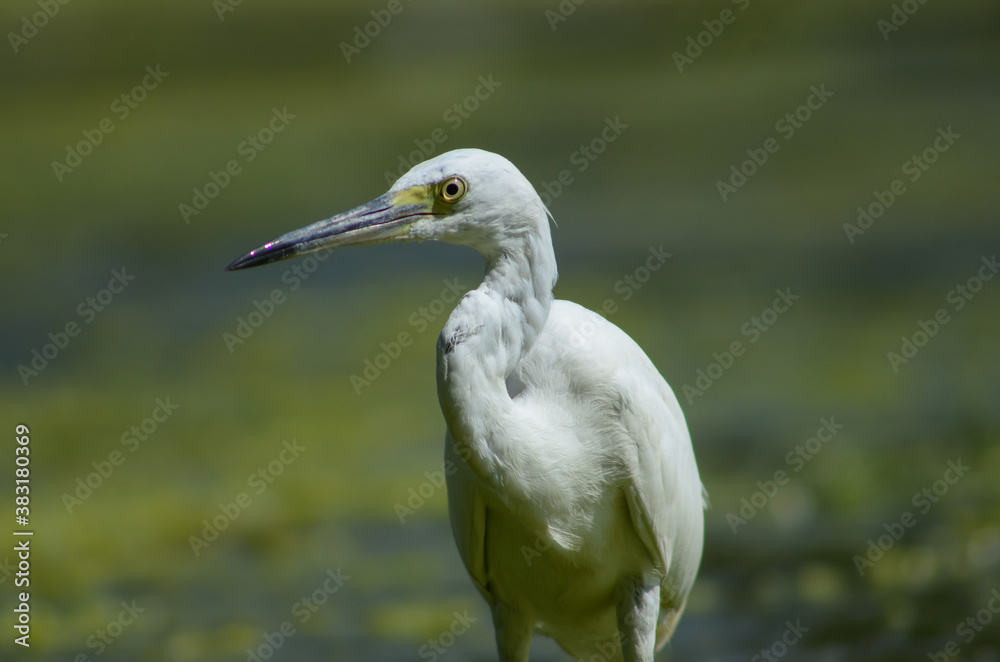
point(519, 283)
point(482, 347)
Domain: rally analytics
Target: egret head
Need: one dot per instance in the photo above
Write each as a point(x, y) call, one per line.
point(466, 196)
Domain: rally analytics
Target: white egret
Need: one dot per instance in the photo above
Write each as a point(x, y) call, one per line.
point(576, 503)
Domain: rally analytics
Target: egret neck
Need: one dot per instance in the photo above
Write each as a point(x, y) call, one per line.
point(483, 345)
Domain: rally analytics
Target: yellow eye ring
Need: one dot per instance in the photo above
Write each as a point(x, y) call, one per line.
point(453, 189)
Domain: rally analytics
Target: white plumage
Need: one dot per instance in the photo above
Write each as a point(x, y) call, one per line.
point(576, 504)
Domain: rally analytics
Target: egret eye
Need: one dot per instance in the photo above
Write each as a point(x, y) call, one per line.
point(453, 189)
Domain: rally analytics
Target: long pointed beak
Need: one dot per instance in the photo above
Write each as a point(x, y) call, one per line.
point(377, 221)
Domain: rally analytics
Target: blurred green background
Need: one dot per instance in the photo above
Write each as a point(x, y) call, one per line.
point(370, 448)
